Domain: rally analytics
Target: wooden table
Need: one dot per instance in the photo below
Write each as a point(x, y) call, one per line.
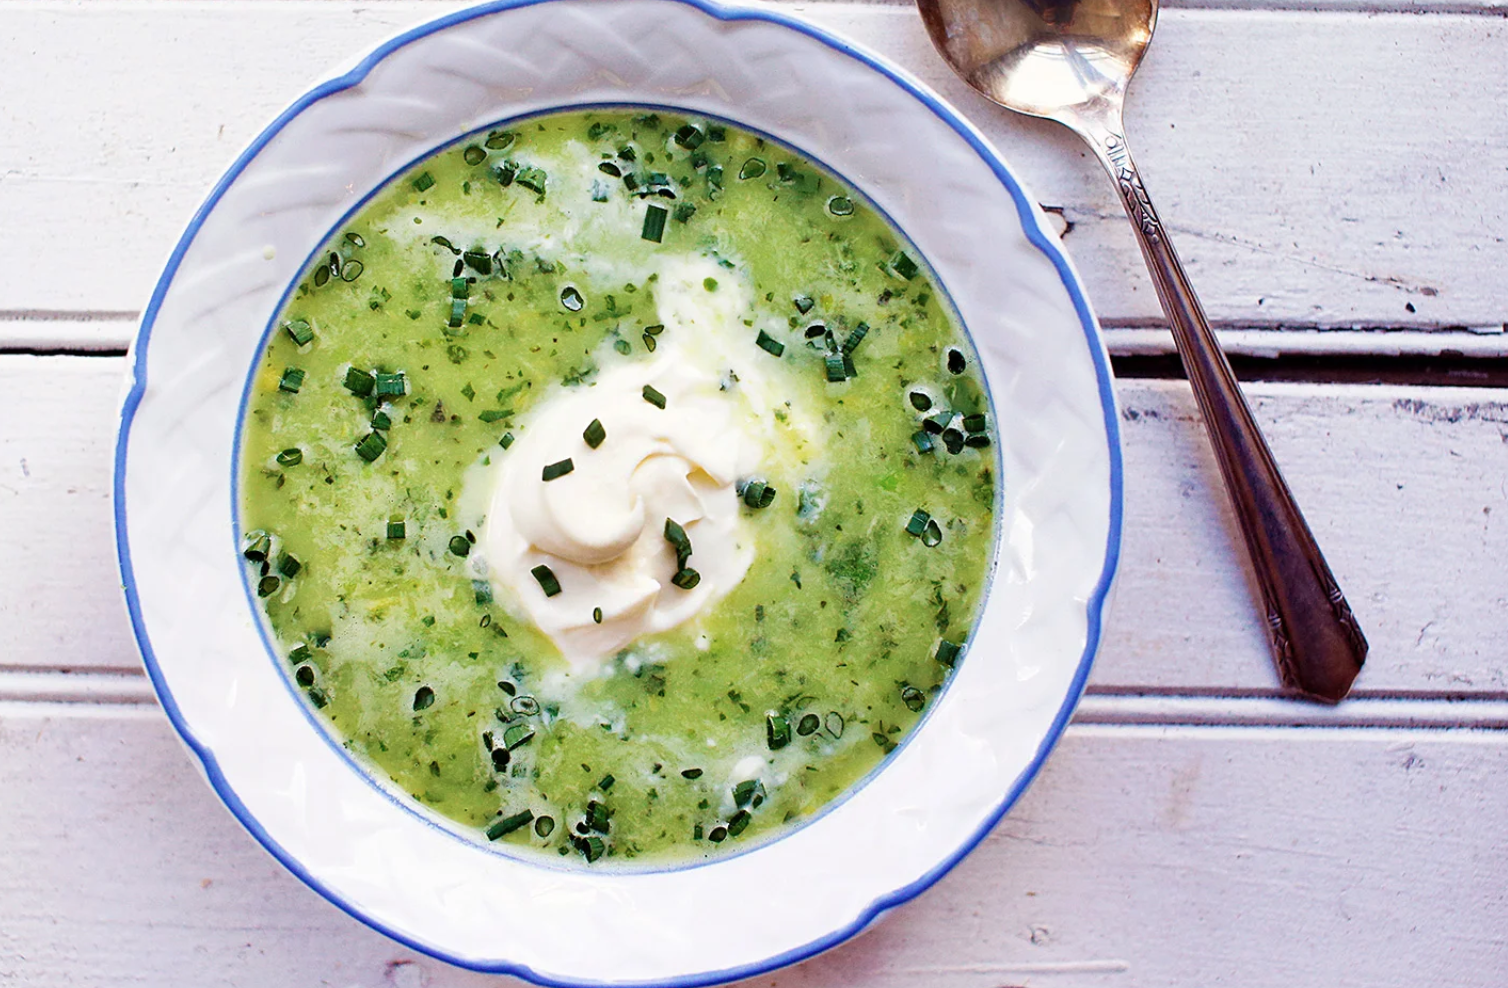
point(1335, 174)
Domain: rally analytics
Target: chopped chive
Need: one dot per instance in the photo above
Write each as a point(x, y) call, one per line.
point(499, 140)
point(691, 773)
point(460, 288)
point(289, 565)
point(268, 585)
point(956, 361)
point(815, 330)
point(391, 385)
point(903, 265)
point(381, 420)
point(808, 725)
point(481, 592)
point(533, 179)
point(769, 344)
point(835, 369)
point(840, 206)
point(359, 382)
point(913, 698)
point(974, 423)
point(752, 168)
point(918, 523)
point(953, 439)
point(317, 696)
point(424, 698)
point(777, 731)
point(920, 401)
point(424, 182)
point(654, 223)
point(684, 212)
point(624, 347)
point(654, 330)
point(606, 783)
point(571, 299)
point(351, 270)
point(924, 441)
point(608, 168)
point(686, 578)
point(977, 441)
point(739, 822)
point(758, 494)
point(290, 457)
point(696, 832)
point(517, 736)
point(474, 155)
point(718, 835)
point(594, 434)
point(354, 239)
point(596, 817)
point(256, 545)
point(653, 397)
point(547, 581)
point(505, 173)
point(321, 276)
point(457, 313)
point(478, 261)
point(596, 615)
point(397, 528)
point(690, 137)
point(544, 826)
point(750, 791)
point(555, 470)
point(676, 536)
point(300, 653)
point(300, 330)
point(947, 653)
point(591, 848)
point(935, 424)
point(371, 446)
point(932, 535)
point(803, 304)
point(443, 242)
point(649, 343)
point(304, 676)
point(495, 415)
point(291, 381)
point(509, 824)
point(506, 441)
point(459, 545)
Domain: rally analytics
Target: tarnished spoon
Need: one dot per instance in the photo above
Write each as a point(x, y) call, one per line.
point(1070, 61)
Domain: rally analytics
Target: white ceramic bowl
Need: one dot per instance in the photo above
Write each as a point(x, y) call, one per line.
point(376, 853)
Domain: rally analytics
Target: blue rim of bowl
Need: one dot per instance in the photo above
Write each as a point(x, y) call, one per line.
point(371, 773)
point(1095, 605)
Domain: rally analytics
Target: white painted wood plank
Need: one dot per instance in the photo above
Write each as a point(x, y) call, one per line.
point(1175, 858)
point(1404, 487)
point(1301, 188)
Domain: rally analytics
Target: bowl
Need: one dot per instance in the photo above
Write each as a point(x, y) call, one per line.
point(374, 852)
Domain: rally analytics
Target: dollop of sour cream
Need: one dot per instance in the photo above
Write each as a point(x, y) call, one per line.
point(601, 527)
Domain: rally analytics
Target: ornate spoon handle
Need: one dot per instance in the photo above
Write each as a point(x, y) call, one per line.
point(1317, 643)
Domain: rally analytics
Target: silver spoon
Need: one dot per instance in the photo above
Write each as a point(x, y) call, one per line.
point(1070, 61)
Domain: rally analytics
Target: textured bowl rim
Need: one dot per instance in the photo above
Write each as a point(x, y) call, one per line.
point(1034, 231)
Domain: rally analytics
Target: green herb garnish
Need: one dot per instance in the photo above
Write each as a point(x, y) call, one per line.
point(777, 731)
point(654, 223)
point(686, 578)
point(653, 397)
point(300, 330)
point(547, 581)
point(509, 824)
point(291, 381)
point(553, 471)
point(947, 653)
point(424, 698)
point(918, 523)
point(424, 182)
point(594, 434)
point(396, 528)
point(371, 446)
point(769, 344)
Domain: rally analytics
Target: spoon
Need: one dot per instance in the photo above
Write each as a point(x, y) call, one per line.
point(1070, 61)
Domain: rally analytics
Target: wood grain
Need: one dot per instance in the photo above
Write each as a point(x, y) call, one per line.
point(1404, 488)
point(1314, 196)
point(1141, 857)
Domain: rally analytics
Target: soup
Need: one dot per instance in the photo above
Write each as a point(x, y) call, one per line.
point(619, 485)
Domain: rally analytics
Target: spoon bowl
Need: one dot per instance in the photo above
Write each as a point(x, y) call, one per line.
point(1071, 61)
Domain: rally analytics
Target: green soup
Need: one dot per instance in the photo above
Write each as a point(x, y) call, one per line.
point(525, 264)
